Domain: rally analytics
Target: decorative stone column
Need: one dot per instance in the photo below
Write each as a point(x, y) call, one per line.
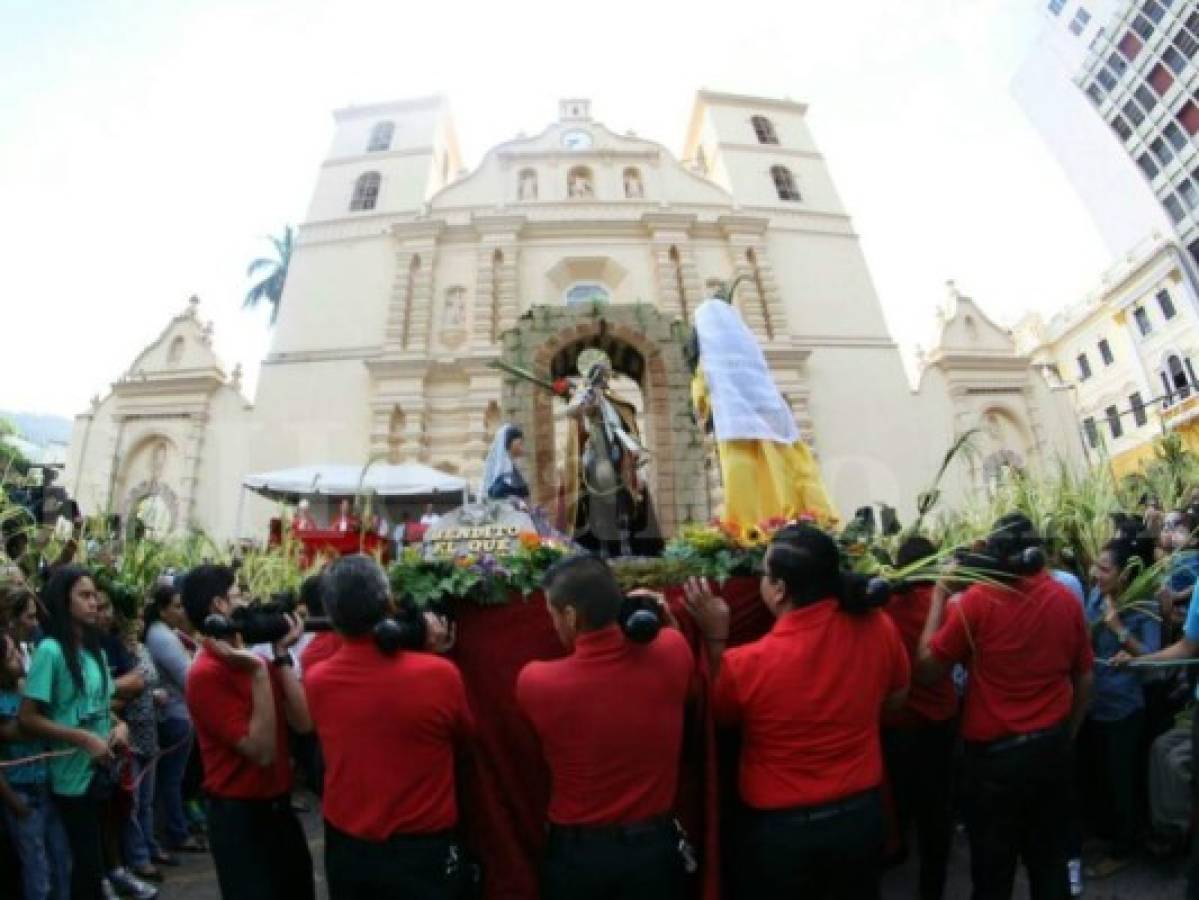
point(496, 284)
point(193, 449)
point(667, 232)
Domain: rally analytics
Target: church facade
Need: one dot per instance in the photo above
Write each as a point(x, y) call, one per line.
point(411, 276)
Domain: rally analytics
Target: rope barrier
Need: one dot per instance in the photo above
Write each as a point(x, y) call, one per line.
point(1150, 663)
point(70, 751)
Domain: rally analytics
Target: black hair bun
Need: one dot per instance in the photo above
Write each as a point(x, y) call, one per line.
point(860, 594)
point(639, 620)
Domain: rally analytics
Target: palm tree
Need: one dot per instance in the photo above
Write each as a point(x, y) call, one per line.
point(270, 286)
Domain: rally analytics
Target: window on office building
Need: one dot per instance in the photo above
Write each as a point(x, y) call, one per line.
point(1166, 304)
point(1186, 43)
point(1153, 10)
point(1143, 27)
point(1105, 352)
point(1133, 113)
point(1079, 22)
point(1095, 92)
point(1121, 127)
point(1160, 79)
point(1174, 135)
point(1174, 59)
point(1161, 151)
point(1113, 421)
point(1174, 208)
point(1148, 166)
point(1142, 319)
point(1145, 97)
point(1056, 6)
point(1139, 417)
point(1130, 45)
point(1107, 78)
point(1188, 117)
point(1190, 196)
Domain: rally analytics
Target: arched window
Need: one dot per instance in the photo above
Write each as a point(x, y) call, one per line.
point(526, 185)
point(633, 188)
point(366, 191)
point(579, 182)
point(1176, 376)
point(764, 129)
point(381, 136)
point(587, 292)
point(784, 183)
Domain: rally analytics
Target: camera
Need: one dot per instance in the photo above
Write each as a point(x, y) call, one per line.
point(260, 621)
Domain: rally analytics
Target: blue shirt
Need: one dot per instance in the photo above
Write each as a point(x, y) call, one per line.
point(1070, 581)
point(1183, 571)
point(29, 773)
point(1118, 693)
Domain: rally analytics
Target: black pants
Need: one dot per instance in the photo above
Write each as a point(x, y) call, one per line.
point(640, 862)
point(1116, 771)
point(1017, 805)
point(829, 852)
point(1193, 862)
point(259, 850)
point(411, 867)
point(920, 771)
point(81, 821)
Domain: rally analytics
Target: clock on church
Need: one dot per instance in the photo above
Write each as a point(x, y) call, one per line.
point(576, 140)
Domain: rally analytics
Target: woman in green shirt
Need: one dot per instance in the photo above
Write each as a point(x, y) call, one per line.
point(68, 695)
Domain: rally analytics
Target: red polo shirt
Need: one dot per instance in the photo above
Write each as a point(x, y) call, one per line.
point(935, 702)
point(1023, 646)
point(808, 697)
point(610, 721)
point(389, 727)
point(220, 701)
point(320, 648)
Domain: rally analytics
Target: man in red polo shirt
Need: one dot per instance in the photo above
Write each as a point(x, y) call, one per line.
point(390, 722)
point(1028, 653)
point(808, 698)
point(241, 707)
point(919, 740)
point(610, 721)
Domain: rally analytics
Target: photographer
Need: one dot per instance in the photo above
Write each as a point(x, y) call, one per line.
point(808, 698)
point(1027, 649)
point(241, 707)
point(390, 719)
point(610, 721)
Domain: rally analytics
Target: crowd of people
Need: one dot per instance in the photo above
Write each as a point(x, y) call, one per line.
point(997, 692)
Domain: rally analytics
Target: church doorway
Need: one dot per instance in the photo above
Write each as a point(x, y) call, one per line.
point(645, 350)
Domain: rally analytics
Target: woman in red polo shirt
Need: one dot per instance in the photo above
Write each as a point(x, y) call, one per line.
point(808, 698)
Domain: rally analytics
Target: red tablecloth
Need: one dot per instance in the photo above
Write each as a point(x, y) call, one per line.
point(505, 787)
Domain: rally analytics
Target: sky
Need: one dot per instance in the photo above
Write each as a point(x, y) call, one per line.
point(146, 149)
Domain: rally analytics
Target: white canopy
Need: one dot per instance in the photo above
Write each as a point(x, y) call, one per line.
point(342, 480)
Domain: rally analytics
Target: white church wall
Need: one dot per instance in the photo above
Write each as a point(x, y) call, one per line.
point(824, 280)
point(336, 295)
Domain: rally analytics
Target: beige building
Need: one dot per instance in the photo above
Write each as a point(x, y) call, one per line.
point(411, 275)
point(1127, 354)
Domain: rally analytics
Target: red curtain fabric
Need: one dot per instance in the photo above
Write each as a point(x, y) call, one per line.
point(505, 784)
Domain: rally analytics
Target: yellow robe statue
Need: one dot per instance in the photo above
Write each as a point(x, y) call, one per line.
point(763, 479)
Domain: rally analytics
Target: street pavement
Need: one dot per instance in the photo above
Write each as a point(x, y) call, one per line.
point(1147, 880)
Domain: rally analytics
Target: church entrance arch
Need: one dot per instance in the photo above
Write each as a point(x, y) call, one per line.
point(646, 348)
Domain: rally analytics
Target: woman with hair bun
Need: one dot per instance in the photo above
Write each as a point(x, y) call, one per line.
point(808, 698)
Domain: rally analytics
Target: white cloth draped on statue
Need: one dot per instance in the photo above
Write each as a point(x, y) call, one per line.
point(746, 403)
